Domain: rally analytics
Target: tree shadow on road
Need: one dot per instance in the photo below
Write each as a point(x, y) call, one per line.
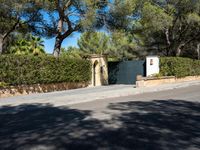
point(45, 127)
point(156, 125)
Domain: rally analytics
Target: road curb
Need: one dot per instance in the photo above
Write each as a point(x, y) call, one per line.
point(140, 91)
point(89, 94)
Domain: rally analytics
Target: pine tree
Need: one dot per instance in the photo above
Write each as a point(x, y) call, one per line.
point(71, 16)
point(171, 26)
point(17, 16)
point(94, 42)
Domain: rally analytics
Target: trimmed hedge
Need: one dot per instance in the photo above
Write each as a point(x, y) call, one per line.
point(23, 69)
point(179, 67)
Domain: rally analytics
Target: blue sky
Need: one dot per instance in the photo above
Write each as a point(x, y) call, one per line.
point(70, 41)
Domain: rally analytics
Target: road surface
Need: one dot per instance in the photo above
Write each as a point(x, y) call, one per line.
point(167, 120)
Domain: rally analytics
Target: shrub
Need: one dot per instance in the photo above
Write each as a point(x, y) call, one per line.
point(179, 67)
point(3, 84)
point(21, 69)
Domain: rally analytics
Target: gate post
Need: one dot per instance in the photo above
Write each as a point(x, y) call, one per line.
point(99, 70)
point(152, 65)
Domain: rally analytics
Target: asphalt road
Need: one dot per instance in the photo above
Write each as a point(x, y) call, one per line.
point(167, 120)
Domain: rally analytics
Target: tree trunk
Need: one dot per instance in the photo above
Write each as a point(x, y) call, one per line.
point(1, 44)
point(167, 41)
point(57, 47)
point(179, 50)
point(198, 51)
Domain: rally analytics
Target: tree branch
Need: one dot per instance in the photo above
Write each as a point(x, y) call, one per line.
point(66, 34)
point(68, 4)
point(12, 29)
point(69, 24)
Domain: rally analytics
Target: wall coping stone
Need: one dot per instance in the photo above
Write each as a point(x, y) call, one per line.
point(153, 81)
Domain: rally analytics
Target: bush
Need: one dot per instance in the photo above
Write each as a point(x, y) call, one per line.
point(21, 69)
point(179, 67)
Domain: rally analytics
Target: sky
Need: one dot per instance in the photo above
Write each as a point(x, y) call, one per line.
point(70, 41)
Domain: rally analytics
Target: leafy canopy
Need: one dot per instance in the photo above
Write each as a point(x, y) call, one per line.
point(94, 42)
point(28, 45)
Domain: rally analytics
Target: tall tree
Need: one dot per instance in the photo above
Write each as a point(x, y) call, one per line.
point(171, 25)
point(68, 16)
point(94, 42)
point(122, 46)
point(117, 45)
point(120, 14)
point(17, 16)
point(166, 27)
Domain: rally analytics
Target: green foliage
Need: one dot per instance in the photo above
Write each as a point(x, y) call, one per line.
point(162, 27)
point(120, 13)
point(18, 16)
point(71, 52)
point(171, 28)
point(154, 18)
point(73, 16)
point(3, 84)
point(93, 42)
point(122, 46)
point(179, 67)
point(118, 45)
point(28, 45)
point(26, 69)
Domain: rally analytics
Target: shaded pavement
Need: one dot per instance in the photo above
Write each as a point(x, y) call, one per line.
point(143, 124)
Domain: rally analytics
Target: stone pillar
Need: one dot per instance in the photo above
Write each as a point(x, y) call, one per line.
point(99, 70)
point(152, 65)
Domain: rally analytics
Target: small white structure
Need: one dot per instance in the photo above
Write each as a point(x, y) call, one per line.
point(152, 65)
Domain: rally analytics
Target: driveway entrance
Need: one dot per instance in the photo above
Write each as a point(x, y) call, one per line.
point(125, 72)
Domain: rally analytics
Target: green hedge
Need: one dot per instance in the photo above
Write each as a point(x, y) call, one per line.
point(23, 69)
point(179, 67)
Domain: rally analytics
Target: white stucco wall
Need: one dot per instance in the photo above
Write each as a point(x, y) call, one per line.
point(152, 65)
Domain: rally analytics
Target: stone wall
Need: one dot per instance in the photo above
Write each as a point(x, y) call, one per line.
point(153, 81)
point(38, 88)
point(188, 78)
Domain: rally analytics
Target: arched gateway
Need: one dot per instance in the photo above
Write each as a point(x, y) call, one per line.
point(99, 70)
